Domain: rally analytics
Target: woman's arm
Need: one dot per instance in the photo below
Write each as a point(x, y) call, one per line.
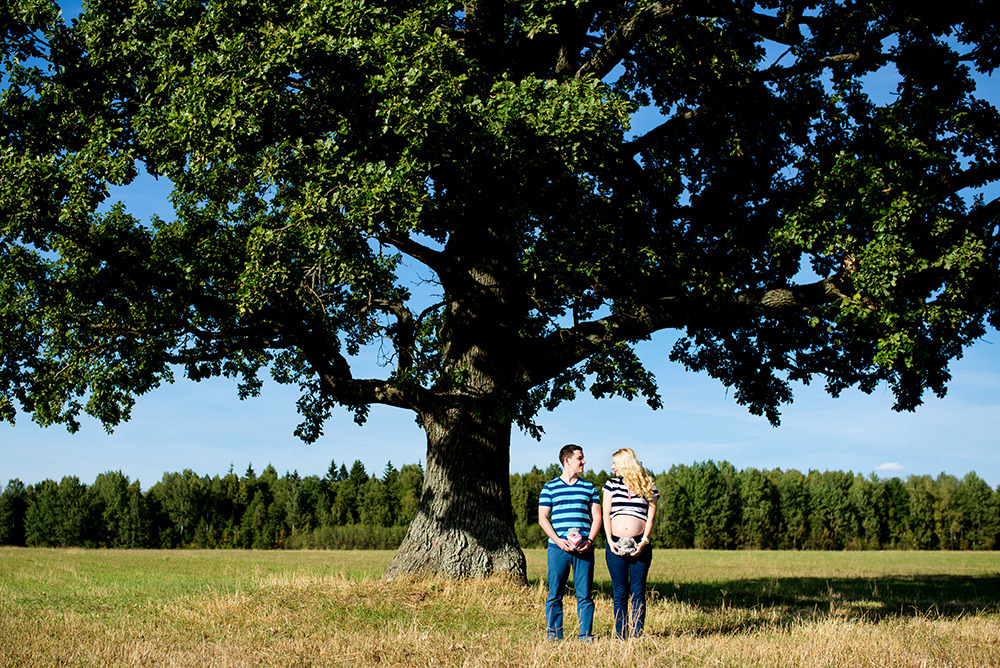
point(606, 516)
point(648, 531)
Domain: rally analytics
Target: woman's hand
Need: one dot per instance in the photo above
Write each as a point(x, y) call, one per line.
point(640, 545)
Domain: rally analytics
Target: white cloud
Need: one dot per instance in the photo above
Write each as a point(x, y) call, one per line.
point(890, 466)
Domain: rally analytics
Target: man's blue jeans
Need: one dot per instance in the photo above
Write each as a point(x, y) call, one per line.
point(628, 584)
point(582, 565)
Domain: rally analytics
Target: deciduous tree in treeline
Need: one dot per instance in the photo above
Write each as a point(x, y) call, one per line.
point(331, 159)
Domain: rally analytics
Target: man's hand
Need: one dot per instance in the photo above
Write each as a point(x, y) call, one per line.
point(565, 545)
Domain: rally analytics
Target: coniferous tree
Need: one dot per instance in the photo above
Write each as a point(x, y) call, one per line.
point(75, 525)
point(136, 529)
point(868, 503)
point(524, 491)
point(411, 480)
point(920, 519)
point(980, 513)
point(715, 503)
point(390, 484)
point(312, 502)
point(345, 505)
point(13, 507)
point(111, 500)
point(43, 515)
point(760, 526)
point(948, 523)
point(675, 514)
point(373, 504)
point(833, 522)
point(793, 492)
point(897, 511)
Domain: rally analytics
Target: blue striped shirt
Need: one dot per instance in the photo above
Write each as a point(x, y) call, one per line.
point(570, 505)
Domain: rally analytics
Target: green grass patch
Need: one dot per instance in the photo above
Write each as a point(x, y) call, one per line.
point(323, 608)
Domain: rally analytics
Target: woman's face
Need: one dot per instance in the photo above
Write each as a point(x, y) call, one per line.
point(614, 469)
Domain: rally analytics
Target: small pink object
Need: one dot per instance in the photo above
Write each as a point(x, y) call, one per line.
point(574, 537)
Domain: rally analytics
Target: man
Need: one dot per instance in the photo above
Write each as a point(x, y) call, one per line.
point(569, 512)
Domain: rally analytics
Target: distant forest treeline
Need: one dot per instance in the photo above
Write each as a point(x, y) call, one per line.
point(704, 505)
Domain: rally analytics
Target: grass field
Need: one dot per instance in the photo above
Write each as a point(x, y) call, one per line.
point(236, 608)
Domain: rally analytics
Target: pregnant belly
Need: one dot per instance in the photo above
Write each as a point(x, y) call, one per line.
point(625, 525)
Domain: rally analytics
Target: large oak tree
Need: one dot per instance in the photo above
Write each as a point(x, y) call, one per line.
point(787, 223)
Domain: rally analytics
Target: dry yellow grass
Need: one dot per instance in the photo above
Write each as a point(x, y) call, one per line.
point(152, 608)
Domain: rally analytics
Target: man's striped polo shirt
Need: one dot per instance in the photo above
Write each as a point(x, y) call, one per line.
point(570, 505)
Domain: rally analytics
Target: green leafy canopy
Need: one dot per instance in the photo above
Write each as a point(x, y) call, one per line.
point(790, 217)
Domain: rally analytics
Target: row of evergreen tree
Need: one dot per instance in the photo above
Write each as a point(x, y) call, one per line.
point(703, 505)
point(344, 509)
point(713, 506)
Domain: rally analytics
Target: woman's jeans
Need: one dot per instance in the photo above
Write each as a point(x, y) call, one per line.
point(628, 584)
point(560, 563)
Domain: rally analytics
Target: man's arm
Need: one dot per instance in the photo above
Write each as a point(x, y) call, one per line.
point(598, 520)
point(550, 531)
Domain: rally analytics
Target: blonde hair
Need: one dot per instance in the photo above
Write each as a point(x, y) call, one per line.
point(630, 469)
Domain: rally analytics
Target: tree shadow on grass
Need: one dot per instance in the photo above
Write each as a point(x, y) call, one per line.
point(737, 606)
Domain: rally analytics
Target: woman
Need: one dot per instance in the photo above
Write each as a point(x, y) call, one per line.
point(629, 509)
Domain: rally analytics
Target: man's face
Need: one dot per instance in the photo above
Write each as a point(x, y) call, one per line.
point(575, 462)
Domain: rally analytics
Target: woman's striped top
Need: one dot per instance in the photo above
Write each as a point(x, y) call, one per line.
point(624, 502)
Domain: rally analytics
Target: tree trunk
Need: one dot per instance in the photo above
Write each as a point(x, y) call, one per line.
point(464, 525)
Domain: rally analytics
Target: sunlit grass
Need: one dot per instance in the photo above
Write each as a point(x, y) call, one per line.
point(219, 608)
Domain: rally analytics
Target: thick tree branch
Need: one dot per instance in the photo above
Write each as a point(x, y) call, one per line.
point(974, 177)
point(784, 30)
point(567, 347)
point(661, 131)
point(816, 65)
point(798, 298)
point(658, 133)
point(571, 23)
point(339, 385)
point(403, 333)
point(405, 244)
point(789, 29)
point(484, 39)
point(989, 211)
point(626, 37)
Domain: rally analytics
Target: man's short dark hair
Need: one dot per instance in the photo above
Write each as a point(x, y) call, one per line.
point(567, 451)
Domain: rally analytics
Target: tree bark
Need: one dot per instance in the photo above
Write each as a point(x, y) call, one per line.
point(464, 525)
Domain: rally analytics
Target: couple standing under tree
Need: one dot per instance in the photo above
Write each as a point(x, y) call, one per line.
point(569, 511)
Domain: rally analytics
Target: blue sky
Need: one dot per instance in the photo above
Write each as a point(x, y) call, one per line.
point(205, 427)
